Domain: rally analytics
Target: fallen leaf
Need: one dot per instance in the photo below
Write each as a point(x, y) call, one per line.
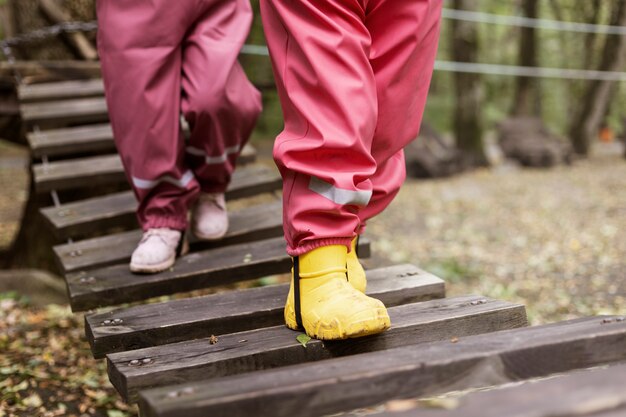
point(303, 339)
point(33, 400)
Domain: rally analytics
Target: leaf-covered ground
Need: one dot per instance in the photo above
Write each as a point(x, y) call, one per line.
point(551, 239)
point(46, 368)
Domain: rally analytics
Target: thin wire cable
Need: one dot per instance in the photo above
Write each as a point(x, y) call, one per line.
point(508, 20)
point(535, 72)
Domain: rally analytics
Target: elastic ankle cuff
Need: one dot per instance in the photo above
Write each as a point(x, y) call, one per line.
point(314, 244)
point(165, 222)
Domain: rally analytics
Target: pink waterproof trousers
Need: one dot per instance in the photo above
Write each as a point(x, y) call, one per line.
point(161, 58)
point(353, 76)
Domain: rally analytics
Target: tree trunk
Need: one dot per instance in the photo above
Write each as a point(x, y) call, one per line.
point(468, 127)
point(598, 95)
point(526, 100)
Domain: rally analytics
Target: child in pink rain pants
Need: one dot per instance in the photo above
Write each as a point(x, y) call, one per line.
point(161, 59)
point(353, 78)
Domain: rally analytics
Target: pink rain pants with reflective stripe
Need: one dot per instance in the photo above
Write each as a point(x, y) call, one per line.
point(161, 58)
point(353, 76)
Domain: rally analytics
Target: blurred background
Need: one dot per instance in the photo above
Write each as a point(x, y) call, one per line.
point(516, 188)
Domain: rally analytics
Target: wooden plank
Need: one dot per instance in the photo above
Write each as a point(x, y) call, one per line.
point(235, 311)
point(90, 138)
point(91, 171)
point(60, 90)
point(586, 393)
point(51, 70)
point(367, 379)
point(118, 209)
point(277, 346)
point(94, 214)
point(63, 112)
point(251, 223)
point(72, 140)
point(76, 173)
point(116, 284)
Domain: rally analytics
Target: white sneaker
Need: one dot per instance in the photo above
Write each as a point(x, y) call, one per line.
point(157, 250)
point(209, 220)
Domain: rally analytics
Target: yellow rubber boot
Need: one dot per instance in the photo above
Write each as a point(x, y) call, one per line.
point(330, 308)
point(356, 273)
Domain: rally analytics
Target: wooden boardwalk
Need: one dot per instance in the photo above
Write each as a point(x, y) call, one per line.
point(228, 354)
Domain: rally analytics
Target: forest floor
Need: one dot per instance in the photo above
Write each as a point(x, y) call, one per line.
point(550, 239)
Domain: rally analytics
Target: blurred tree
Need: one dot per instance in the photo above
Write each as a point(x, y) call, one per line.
point(468, 126)
point(599, 94)
point(526, 101)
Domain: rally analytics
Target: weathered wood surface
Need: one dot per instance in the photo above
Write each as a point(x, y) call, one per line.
point(116, 284)
point(93, 214)
point(371, 378)
point(92, 171)
point(60, 90)
point(51, 70)
point(78, 173)
point(277, 346)
point(591, 393)
point(72, 140)
point(64, 112)
point(248, 224)
point(118, 209)
point(90, 139)
point(230, 312)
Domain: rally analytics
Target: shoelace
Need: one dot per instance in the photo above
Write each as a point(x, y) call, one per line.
point(147, 235)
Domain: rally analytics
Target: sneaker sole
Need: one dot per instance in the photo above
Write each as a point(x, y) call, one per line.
point(200, 236)
point(163, 266)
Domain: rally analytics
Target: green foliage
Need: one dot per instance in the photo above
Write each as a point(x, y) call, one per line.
point(452, 271)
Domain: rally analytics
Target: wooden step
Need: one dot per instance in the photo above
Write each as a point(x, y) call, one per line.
point(65, 112)
point(367, 379)
point(248, 224)
point(591, 393)
point(85, 139)
point(60, 90)
point(92, 171)
point(116, 284)
point(235, 311)
point(96, 214)
point(73, 140)
point(78, 173)
point(277, 346)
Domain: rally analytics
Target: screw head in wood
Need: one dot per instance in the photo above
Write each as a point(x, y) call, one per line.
point(134, 362)
point(87, 280)
point(474, 303)
point(107, 322)
point(76, 253)
point(146, 361)
point(118, 321)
